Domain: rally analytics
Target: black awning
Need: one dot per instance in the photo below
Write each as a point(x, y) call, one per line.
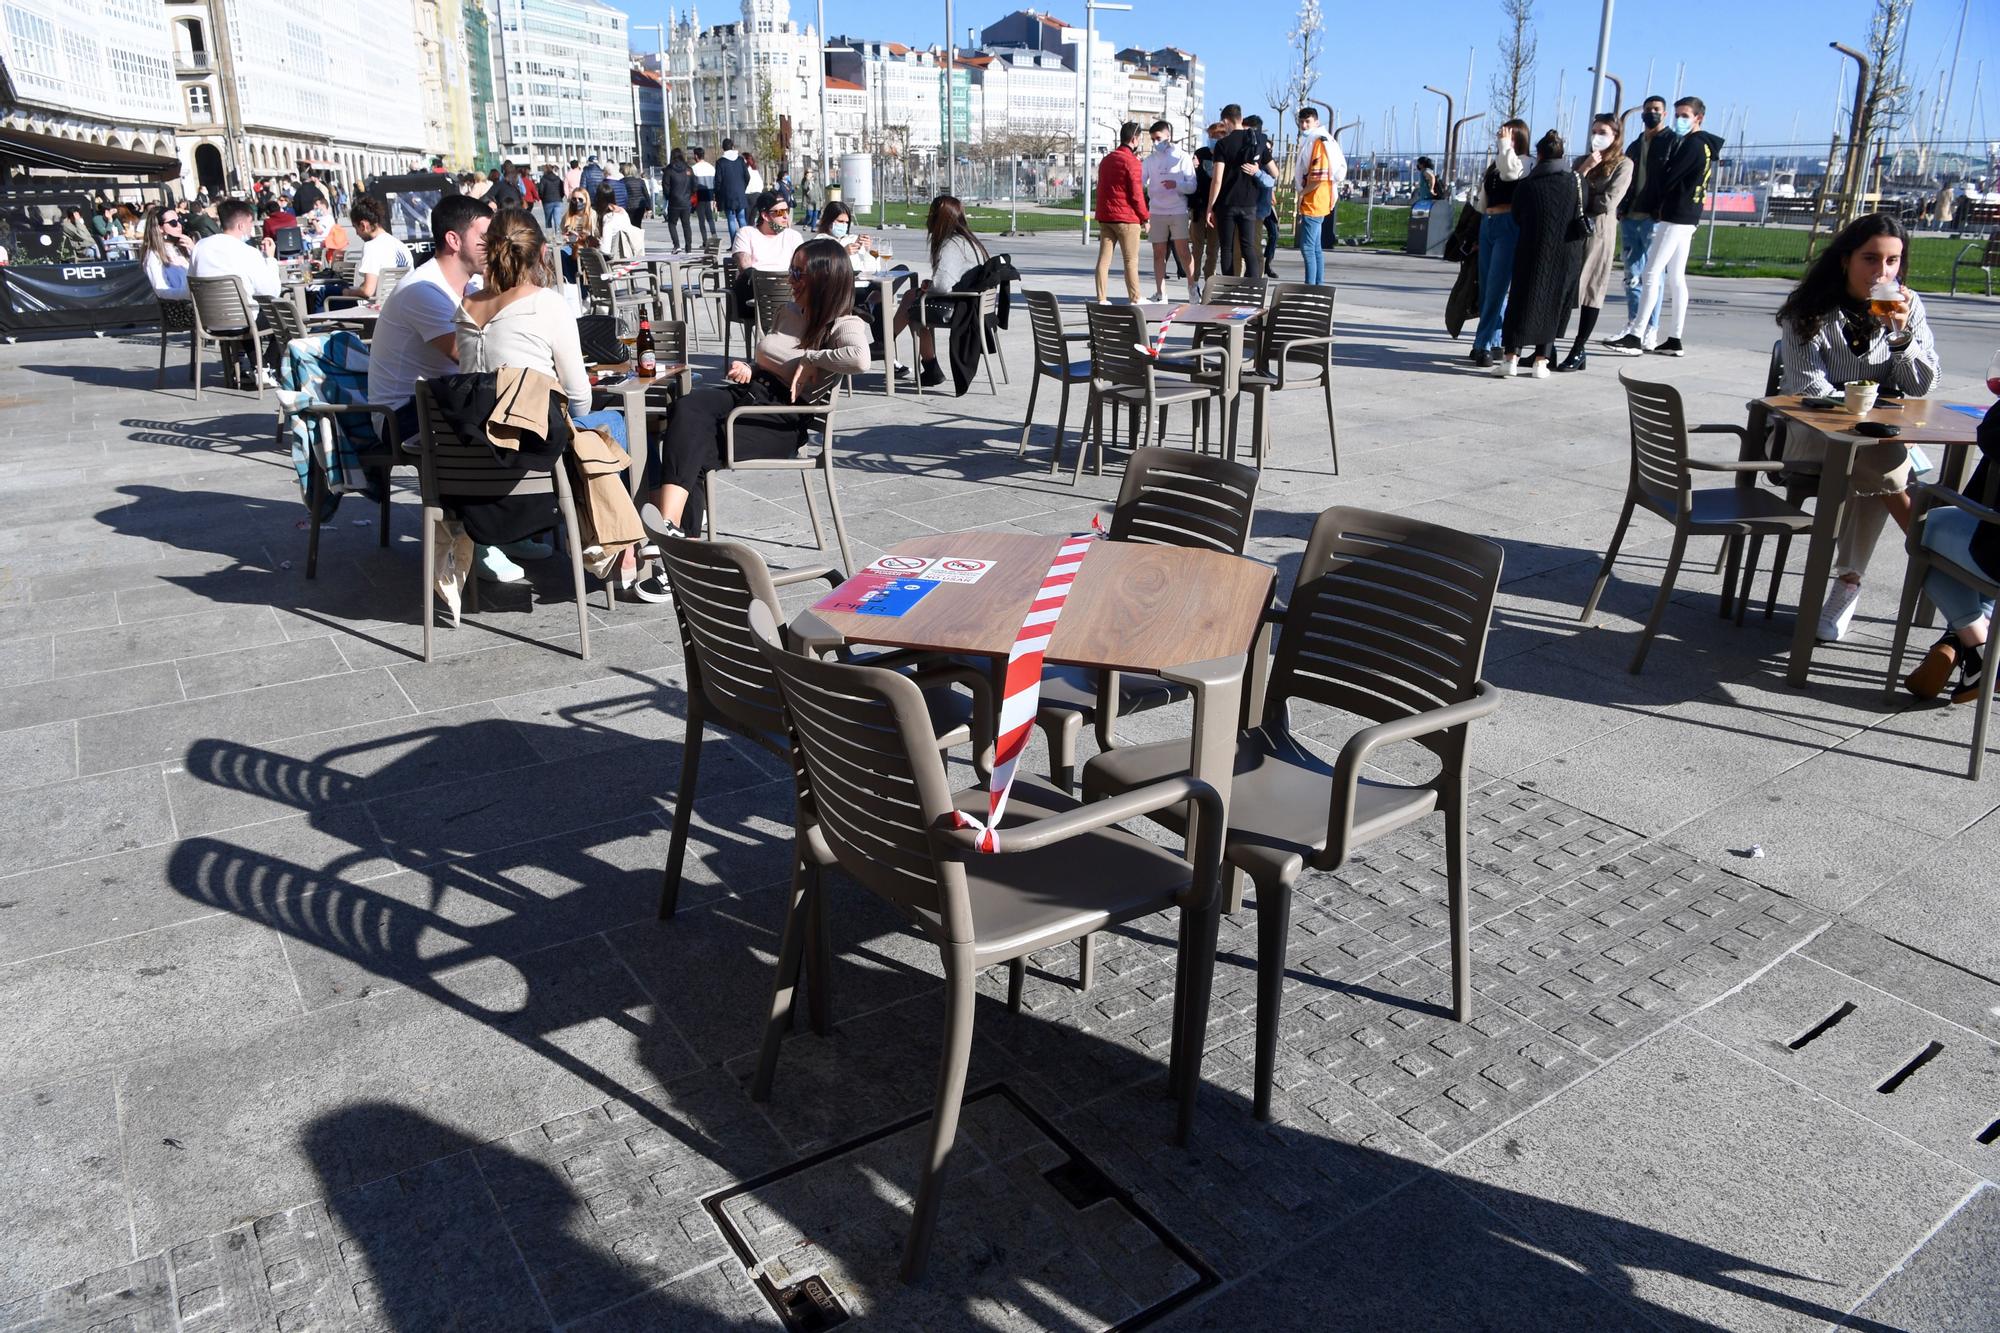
point(75, 157)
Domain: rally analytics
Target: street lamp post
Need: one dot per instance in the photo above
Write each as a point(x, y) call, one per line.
point(1090, 8)
point(1603, 63)
point(950, 125)
point(825, 180)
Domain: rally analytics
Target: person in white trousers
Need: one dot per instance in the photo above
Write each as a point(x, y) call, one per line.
point(1683, 192)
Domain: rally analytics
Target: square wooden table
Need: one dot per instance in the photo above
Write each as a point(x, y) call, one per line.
point(1189, 616)
point(1232, 320)
point(885, 281)
point(1924, 421)
point(673, 261)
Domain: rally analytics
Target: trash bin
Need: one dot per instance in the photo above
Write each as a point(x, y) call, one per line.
point(1430, 227)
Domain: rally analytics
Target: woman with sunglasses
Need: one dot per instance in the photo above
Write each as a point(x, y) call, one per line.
point(166, 252)
point(1834, 331)
point(816, 337)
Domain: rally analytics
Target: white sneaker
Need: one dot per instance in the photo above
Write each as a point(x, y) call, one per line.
point(1837, 612)
point(1157, 296)
point(1194, 289)
point(1505, 367)
point(494, 566)
point(1541, 369)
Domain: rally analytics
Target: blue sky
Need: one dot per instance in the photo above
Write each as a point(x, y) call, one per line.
point(1761, 62)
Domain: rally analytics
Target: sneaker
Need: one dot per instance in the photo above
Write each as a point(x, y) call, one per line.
point(1837, 612)
point(933, 375)
point(1541, 369)
point(659, 525)
point(1505, 368)
point(653, 588)
point(1669, 347)
point(1157, 297)
point(1626, 344)
point(494, 566)
point(1574, 361)
point(1482, 358)
point(529, 550)
point(1932, 674)
point(1194, 289)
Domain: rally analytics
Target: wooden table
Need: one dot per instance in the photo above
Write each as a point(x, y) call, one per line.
point(1924, 421)
point(885, 282)
point(672, 261)
point(633, 395)
point(1189, 616)
point(1232, 320)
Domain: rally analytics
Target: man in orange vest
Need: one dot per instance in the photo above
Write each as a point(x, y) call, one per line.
point(1321, 169)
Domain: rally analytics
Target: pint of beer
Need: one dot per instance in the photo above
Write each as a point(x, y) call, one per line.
point(1885, 300)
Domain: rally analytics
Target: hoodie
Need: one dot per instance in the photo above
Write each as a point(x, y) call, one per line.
point(1168, 173)
point(1311, 203)
point(732, 181)
point(1684, 176)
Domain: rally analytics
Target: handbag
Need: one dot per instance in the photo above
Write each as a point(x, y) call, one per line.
point(599, 336)
point(1582, 226)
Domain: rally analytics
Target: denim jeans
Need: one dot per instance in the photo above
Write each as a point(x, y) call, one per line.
point(1635, 237)
point(1310, 251)
point(1498, 235)
point(552, 214)
point(610, 420)
point(1949, 533)
point(734, 219)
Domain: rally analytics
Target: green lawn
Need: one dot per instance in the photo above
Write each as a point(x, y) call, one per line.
point(986, 221)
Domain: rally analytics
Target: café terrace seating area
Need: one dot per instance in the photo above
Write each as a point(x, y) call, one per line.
point(1405, 914)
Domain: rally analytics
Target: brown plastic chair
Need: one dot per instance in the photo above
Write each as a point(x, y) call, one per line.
point(986, 303)
point(772, 292)
point(614, 296)
point(729, 685)
point(1388, 620)
point(224, 312)
point(1052, 361)
point(873, 788)
point(1294, 350)
point(176, 316)
point(809, 459)
point(1661, 484)
point(1123, 376)
point(448, 466)
point(1922, 561)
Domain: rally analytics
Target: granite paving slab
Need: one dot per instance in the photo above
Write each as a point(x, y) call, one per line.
point(1946, 1286)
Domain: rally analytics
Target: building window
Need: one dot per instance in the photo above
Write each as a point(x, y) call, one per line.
point(34, 41)
point(198, 108)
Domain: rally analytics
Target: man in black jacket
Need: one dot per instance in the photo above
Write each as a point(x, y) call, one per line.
point(1681, 191)
point(637, 197)
point(732, 188)
point(550, 187)
point(1648, 155)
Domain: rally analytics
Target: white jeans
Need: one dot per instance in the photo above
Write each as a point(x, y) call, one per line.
point(1666, 262)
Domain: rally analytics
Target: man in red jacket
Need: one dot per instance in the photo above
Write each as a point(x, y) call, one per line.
point(1121, 209)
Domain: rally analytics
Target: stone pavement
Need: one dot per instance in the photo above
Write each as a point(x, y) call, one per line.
point(333, 996)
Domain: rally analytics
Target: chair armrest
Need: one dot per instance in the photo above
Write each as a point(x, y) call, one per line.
point(1738, 465)
point(1716, 428)
point(962, 844)
point(1082, 336)
point(833, 577)
point(1347, 768)
point(1938, 495)
point(976, 682)
point(1285, 361)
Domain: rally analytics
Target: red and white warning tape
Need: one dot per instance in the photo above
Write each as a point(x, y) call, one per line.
point(1022, 689)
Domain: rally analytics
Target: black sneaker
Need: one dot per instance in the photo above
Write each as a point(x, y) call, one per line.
point(1483, 359)
point(1625, 345)
point(659, 525)
point(1671, 347)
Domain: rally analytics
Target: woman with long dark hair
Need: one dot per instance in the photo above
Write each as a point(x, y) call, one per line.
point(1607, 174)
point(817, 336)
point(1547, 257)
point(165, 251)
point(954, 252)
point(1833, 334)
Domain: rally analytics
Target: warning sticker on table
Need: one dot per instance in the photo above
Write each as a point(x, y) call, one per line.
point(939, 568)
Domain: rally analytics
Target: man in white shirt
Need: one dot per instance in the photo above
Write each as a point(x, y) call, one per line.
point(1168, 175)
point(704, 193)
point(232, 252)
point(380, 248)
point(416, 336)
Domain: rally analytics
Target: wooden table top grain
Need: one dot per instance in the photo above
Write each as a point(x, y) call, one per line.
point(1133, 607)
point(1924, 420)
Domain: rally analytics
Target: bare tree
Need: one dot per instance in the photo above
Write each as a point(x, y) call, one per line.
point(1888, 90)
point(1294, 88)
point(1512, 87)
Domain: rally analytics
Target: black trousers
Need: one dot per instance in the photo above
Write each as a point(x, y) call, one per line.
point(1238, 228)
point(639, 214)
point(691, 446)
point(1270, 241)
point(706, 218)
point(680, 230)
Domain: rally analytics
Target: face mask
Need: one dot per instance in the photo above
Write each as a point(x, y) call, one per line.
point(838, 230)
point(1600, 141)
point(1651, 119)
point(1682, 125)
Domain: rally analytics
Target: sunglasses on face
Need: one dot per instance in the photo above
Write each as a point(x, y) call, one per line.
point(170, 222)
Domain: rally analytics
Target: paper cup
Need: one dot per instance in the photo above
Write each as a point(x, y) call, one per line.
point(1861, 396)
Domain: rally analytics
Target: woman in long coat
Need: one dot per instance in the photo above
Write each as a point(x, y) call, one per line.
point(1546, 261)
point(1607, 175)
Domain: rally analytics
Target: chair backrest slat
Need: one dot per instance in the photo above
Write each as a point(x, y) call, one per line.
point(222, 304)
point(773, 292)
point(1300, 311)
point(1045, 321)
point(1174, 498)
point(1659, 442)
point(590, 265)
point(714, 585)
point(450, 465)
point(387, 280)
point(1116, 331)
point(1388, 617)
point(1241, 291)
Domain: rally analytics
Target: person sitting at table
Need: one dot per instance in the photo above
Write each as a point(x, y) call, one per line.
point(616, 235)
point(954, 252)
point(836, 219)
point(1968, 613)
point(381, 250)
point(78, 235)
point(764, 244)
point(166, 252)
point(816, 336)
point(237, 252)
point(1830, 338)
point(516, 319)
point(278, 215)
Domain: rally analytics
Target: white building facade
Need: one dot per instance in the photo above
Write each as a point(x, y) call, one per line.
point(98, 72)
point(568, 83)
point(753, 80)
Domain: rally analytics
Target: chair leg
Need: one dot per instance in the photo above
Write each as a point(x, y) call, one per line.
point(382, 523)
point(160, 379)
point(1459, 899)
point(575, 541)
point(194, 363)
point(1274, 924)
point(1732, 557)
point(670, 882)
point(1062, 423)
point(833, 504)
point(1660, 602)
point(1610, 558)
point(1199, 959)
point(1093, 432)
point(1332, 433)
point(1777, 574)
point(1000, 353)
point(1028, 420)
point(429, 575)
point(812, 510)
point(1061, 735)
point(819, 953)
point(1984, 709)
point(1017, 979)
point(791, 950)
point(1744, 588)
point(1906, 614)
point(316, 502)
point(959, 998)
point(1086, 962)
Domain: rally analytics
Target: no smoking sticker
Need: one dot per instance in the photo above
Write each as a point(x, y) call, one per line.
point(900, 566)
point(940, 568)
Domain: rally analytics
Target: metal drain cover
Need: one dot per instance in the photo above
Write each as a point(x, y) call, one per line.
point(1031, 1234)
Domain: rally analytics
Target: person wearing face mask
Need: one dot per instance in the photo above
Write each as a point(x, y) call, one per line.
point(1547, 257)
point(1682, 189)
point(1493, 200)
point(1121, 210)
point(1168, 175)
point(1607, 175)
point(1648, 154)
point(1316, 182)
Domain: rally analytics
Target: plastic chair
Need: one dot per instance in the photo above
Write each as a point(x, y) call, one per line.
point(1982, 255)
point(224, 312)
point(1121, 375)
point(810, 458)
point(1052, 361)
point(1922, 561)
point(1661, 484)
point(1294, 350)
point(730, 685)
point(176, 316)
point(986, 306)
point(607, 296)
point(1387, 620)
point(450, 469)
point(386, 281)
point(770, 294)
point(873, 787)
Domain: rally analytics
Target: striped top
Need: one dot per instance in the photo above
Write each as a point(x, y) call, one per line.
point(1824, 365)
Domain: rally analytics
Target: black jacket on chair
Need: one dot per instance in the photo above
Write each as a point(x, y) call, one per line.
point(958, 317)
